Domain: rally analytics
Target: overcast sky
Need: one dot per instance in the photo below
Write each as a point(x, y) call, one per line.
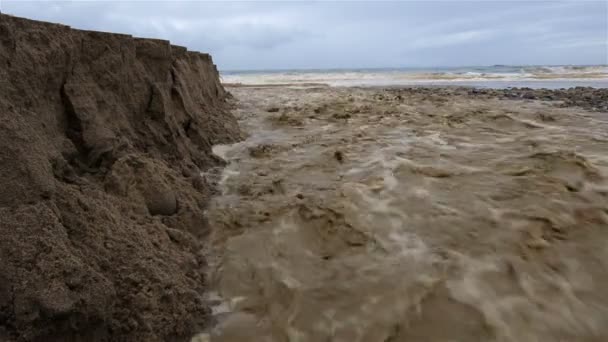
point(340, 34)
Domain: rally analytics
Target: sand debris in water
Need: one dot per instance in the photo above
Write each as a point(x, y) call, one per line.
point(411, 215)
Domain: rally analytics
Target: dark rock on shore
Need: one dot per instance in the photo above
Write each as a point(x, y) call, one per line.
point(102, 137)
point(593, 99)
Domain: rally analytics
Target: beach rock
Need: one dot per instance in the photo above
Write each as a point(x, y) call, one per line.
point(102, 137)
point(588, 98)
point(339, 156)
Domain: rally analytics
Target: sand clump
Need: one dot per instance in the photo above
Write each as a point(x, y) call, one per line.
point(102, 141)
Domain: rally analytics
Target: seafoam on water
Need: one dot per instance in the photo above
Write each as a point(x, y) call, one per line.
point(494, 76)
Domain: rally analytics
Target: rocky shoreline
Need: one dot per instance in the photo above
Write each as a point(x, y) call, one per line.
point(593, 99)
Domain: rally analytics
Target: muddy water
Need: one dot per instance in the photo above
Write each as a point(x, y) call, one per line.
point(369, 215)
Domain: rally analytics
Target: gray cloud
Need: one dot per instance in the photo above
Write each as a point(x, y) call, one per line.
point(259, 35)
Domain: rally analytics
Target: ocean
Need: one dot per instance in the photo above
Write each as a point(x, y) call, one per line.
point(497, 76)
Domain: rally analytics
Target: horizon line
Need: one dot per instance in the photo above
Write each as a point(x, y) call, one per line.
point(411, 67)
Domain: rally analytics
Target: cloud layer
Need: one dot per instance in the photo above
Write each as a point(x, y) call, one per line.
point(285, 35)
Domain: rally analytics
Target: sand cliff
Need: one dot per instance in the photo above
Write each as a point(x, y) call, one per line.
point(102, 141)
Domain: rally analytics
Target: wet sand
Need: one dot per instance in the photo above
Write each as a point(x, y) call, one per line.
point(423, 214)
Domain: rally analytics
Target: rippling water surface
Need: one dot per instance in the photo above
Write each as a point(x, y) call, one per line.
point(371, 215)
point(498, 76)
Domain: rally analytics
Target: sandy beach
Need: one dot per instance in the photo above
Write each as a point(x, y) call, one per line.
point(319, 171)
point(419, 214)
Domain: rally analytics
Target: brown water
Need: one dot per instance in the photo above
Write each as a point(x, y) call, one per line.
point(367, 215)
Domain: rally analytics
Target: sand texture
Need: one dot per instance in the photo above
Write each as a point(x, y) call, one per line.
point(102, 141)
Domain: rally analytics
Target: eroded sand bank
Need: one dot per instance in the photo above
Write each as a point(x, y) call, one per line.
point(412, 215)
point(102, 140)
